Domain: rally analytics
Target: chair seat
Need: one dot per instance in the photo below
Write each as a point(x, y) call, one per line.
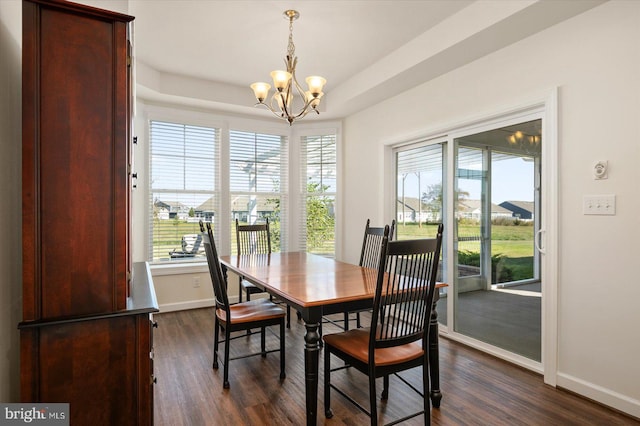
point(254, 310)
point(251, 288)
point(355, 343)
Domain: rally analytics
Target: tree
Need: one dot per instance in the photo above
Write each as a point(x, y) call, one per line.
point(432, 198)
point(320, 218)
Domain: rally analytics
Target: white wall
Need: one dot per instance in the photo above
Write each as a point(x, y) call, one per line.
point(10, 207)
point(594, 60)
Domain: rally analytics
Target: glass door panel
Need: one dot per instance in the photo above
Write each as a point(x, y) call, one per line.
point(497, 297)
point(420, 201)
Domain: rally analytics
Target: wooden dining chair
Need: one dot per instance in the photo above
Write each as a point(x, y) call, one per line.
point(254, 239)
point(369, 257)
point(397, 337)
point(260, 313)
point(370, 253)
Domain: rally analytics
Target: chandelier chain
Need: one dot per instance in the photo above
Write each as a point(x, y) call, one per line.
point(291, 48)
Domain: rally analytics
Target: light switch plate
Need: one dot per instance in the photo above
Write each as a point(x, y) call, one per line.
point(599, 204)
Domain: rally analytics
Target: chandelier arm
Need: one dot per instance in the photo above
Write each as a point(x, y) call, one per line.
point(270, 108)
point(285, 110)
point(306, 110)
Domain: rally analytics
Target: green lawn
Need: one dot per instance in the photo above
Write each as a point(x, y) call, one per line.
point(511, 247)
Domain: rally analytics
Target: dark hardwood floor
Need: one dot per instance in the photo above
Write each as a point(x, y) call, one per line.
point(478, 389)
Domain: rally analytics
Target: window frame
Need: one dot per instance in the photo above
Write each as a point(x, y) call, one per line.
point(214, 191)
point(148, 111)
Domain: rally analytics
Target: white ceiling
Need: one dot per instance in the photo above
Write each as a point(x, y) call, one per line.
point(207, 52)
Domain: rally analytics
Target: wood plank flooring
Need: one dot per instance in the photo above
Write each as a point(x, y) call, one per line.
point(478, 389)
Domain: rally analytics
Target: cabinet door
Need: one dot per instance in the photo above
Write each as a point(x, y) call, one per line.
point(75, 161)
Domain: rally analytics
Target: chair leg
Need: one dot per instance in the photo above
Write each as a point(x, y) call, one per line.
point(240, 290)
point(426, 385)
point(346, 321)
point(372, 400)
point(216, 337)
point(327, 384)
point(385, 387)
point(282, 351)
point(263, 342)
point(358, 320)
point(248, 300)
point(227, 338)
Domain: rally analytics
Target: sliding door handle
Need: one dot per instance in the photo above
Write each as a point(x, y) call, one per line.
point(537, 241)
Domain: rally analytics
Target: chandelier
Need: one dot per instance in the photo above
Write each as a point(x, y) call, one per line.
point(288, 90)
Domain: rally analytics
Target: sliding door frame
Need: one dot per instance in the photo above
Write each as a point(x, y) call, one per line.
point(538, 106)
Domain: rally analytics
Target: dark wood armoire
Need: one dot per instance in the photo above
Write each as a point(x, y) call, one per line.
point(86, 334)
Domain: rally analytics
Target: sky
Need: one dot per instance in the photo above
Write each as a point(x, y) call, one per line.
point(512, 180)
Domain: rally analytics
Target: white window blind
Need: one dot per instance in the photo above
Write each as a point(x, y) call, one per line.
point(318, 188)
point(258, 183)
point(419, 187)
point(183, 175)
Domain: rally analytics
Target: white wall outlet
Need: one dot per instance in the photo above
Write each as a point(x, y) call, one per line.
point(196, 282)
point(599, 204)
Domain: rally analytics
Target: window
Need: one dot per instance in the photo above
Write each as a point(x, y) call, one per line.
point(318, 187)
point(183, 170)
point(258, 183)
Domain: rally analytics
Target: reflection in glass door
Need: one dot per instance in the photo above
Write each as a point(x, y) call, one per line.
point(497, 297)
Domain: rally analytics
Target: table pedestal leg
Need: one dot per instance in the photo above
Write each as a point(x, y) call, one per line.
point(434, 360)
point(311, 357)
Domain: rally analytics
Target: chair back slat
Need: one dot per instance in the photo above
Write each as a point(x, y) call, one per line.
point(405, 290)
point(371, 244)
point(215, 270)
point(253, 239)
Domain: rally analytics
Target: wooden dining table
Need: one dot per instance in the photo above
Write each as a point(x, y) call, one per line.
point(316, 286)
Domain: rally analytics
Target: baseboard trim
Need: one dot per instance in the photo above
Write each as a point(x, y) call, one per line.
point(599, 394)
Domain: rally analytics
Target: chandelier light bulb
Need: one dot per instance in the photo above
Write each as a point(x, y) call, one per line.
point(261, 90)
point(314, 101)
point(280, 79)
point(316, 83)
point(280, 96)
